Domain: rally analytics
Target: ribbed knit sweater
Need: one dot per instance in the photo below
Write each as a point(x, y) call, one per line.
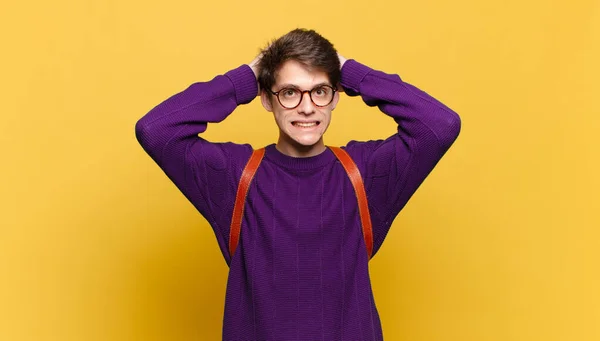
point(300, 271)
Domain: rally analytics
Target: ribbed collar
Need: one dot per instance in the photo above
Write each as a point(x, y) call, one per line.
point(298, 163)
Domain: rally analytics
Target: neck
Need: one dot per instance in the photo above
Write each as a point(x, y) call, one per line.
point(294, 149)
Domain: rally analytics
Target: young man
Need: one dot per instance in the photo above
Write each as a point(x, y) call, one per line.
point(300, 270)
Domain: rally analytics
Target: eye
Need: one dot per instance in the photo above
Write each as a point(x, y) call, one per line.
point(289, 93)
point(321, 91)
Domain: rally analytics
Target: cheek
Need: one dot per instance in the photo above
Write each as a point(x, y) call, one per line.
point(327, 117)
point(280, 117)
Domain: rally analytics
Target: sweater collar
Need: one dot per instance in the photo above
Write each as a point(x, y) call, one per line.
point(298, 163)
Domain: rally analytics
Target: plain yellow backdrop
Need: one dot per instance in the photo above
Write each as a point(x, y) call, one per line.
point(501, 242)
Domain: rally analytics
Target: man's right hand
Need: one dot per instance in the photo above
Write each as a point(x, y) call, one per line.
point(254, 66)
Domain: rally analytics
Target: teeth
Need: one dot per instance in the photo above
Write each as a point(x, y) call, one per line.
point(305, 125)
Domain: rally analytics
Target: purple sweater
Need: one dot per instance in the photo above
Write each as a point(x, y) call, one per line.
point(300, 271)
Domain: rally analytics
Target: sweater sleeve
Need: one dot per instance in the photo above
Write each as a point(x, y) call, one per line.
point(394, 168)
point(206, 173)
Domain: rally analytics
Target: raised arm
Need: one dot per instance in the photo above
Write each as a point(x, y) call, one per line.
point(395, 167)
point(206, 173)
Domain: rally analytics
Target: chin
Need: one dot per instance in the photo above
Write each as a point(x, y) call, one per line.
point(309, 141)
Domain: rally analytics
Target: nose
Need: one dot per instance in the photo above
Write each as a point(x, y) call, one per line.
point(306, 106)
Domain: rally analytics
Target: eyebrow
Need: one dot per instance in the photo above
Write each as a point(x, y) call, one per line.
point(290, 85)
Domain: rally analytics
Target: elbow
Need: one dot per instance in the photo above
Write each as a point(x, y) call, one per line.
point(452, 126)
point(146, 137)
point(141, 131)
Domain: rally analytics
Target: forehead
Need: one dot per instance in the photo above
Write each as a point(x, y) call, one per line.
point(294, 73)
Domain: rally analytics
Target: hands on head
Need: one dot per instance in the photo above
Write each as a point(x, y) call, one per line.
point(343, 60)
point(254, 66)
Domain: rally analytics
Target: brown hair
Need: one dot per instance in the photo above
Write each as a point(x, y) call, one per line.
point(304, 46)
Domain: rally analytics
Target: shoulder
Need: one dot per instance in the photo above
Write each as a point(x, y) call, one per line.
point(373, 157)
point(360, 151)
point(227, 155)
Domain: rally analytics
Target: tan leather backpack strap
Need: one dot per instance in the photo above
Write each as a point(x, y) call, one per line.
point(361, 195)
point(240, 198)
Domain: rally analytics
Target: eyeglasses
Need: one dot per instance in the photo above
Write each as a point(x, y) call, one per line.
point(291, 98)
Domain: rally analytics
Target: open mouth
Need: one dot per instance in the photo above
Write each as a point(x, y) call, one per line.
point(310, 124)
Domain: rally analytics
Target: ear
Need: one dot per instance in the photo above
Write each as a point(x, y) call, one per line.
point(336, 98)
point(266, 100)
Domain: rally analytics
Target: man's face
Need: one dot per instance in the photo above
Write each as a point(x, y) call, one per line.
point(304, 125)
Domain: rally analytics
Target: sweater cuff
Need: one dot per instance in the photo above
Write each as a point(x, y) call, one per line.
point(353, 73)
point(244, 83)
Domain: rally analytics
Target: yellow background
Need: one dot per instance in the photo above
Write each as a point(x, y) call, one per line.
point(501, 242)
